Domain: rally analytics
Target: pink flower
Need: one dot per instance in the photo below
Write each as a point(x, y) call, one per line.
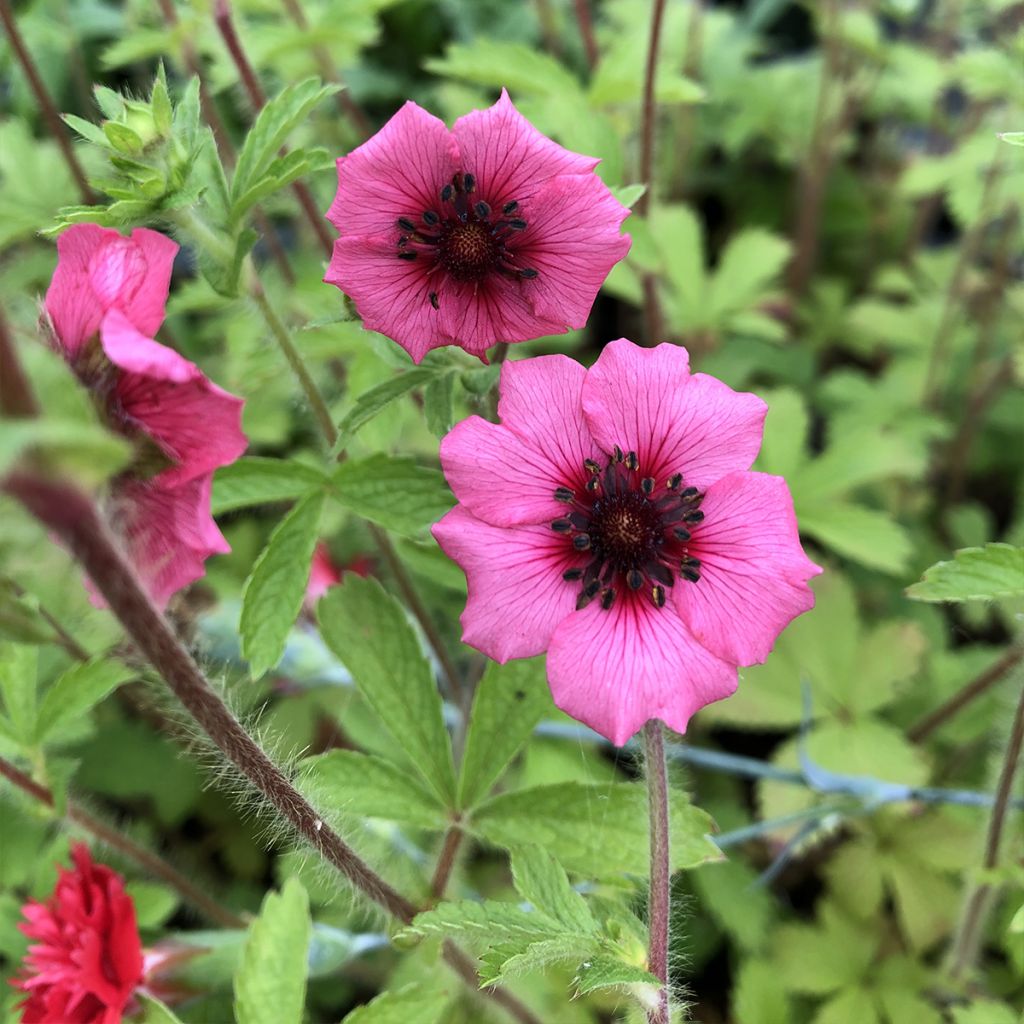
point(611, 520)
point(86, 962)
point(106, 299)
point(489, 232)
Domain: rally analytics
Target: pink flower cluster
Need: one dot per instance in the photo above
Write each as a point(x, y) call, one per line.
point(611, 519)
point(106, 301)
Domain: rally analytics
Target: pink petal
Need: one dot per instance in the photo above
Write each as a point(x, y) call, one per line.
point(753, 571)
point(509, 157)
point(398, 173)
point(146, 283)
point(197, 423)
point(646, 400)
point(516, 592)
point(573, 241)
point(503, 478)
point(614, 670)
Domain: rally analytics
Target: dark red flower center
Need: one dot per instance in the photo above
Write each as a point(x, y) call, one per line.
point(635, 529)
point(464, 238)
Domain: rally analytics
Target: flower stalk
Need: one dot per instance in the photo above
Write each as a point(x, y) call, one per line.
point(658, 907)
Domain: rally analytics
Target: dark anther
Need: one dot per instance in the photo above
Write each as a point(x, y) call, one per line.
point(680, 534)
point(510, 208)
point(433, 300)
point(635, 579)
point(517, 224)
point(660, 572)
point(688, 572)
point(561, 526)
point(591, 466)
point(563, 494)
point(483, 211)
point(405, 224)
point(407, 255)
point(690, 492)
point(528, 272)
point(607, 598)
point(674, 481)
point(446, 193)
point(617, 452)
point(632, 461)
point(572, 574)
point(403, 240)
point(468, 182)
point(647, 484)
point(696, 516)
point(579, 520)
point(658, 596)
point(693, 563)
point(429, 217)
point(581, 541)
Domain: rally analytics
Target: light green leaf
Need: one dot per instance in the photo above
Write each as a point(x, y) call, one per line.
point(270, 985)
point(272, 595)
point(974, 574)
point(368, 630)
point(18, 687)
point(155, 1012)
point(1014, 139)
point(604, 972)
point(865, 535)
point(85, 450)
point(596, 830)
point(76, 691)
point(785, 433)
point(851, 1006)
point(423, 1002)
point(541, 880)
point(985, 1011)
point(369, 786)
point(759, 995)
point(257, 481)
point(817, 961)
point(20, 619)
point(393, 492)
point(153, 903)
point(437, 403)
point(482, 921)
point(377, 399)
point(514, 66)
point(509, 960)
point(509, 702)
point(751, 262)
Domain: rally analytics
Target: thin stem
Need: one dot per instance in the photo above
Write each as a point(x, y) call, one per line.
point(658, 909)
point(283, 337)
point(446, 861)
point(923, 728)
point(586, 25)
point(967, 940)
point(16, 397)
point(258, 99)
point(148, 860)
point(46, 104)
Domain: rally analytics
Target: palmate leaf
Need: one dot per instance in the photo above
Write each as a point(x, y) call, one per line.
point(974, 574)
point(542, 881)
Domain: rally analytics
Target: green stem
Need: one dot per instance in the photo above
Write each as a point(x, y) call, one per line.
point(658, 906)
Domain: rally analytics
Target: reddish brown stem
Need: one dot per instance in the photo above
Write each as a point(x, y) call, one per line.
point(16, 397)
point(146, 859)
point(46, 104)
point(258, 99)
point(446, 861)
point(586, 24)
point(658, 906)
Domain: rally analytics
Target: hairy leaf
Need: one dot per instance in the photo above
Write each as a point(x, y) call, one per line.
point(974, 574)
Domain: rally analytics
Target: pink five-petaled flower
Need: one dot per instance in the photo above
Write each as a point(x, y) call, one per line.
point(611, 520)
point(86, 962)
point(105, 301)
point(486, 233)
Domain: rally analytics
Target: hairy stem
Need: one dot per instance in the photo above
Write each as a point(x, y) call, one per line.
point(658, 907)
point(148, 860)
point(967, 940)
point(586, 25)
point(16, 398)
point(446, 861)
point(46, 105)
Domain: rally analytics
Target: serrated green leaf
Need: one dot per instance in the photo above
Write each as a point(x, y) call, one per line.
point(18, 687)
point(483, 921)
point(20, 618)
point(422, 1001)
point(604, 972)
point(597, 830)
point(509, 960)
point(752, 260)
point(155, 1012)
point(368, 630)
point(76, 691)
point(393, 492)
point(817, 961)
point(377, 399)
point(370, 787)
point(759, 994)
point(865, 535)
point(257, 481)
point(272, 595)
point(270, 985)
point(974, 574)
point(509, 702)
point(541, 880)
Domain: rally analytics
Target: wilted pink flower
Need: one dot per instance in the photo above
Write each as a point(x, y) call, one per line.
point(612, 521)
point(86, 962)
point(325, 573)
point(489, 232)
point(106, 299)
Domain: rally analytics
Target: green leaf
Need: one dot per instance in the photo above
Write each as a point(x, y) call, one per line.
point(76, 691)
point(1013, 138)
point(154, 1012)
point(985, 1011)
point(370, 787)
point(509, 702)
point(597, 830)
point(511, 65)
point(369, 631)
point(270, 985)
point(851, 1006)
point(541, 880)
point(628, 194)
point(122, 138)
point(82, 449)
point(257, 481)
point(759, 995)
point(437, 404)
point(91, 132)
point(153, 903)
point(604, 972)
point(18, 687)
point(752, 260)
point(377, 399)
point(974, 574)
point(20, 618)
point(278, 118)
point(423, 1002)
point(272, 595)
point(865, 535)
point(486, 921)
point(393, 492)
